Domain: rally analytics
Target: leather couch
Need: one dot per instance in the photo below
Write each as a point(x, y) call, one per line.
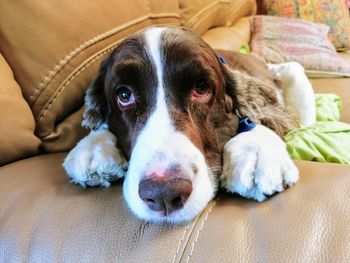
point(50, 51)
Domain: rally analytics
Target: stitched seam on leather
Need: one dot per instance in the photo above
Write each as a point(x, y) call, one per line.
point(237, 6)
point(47, 107)
point(45, 81)
point(210, 7)
point(180, 242)
point(200, 231)
point(202, 14)
point(191, 228)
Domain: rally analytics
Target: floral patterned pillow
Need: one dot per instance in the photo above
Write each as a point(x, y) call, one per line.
point(334, 13)
point(278, 40)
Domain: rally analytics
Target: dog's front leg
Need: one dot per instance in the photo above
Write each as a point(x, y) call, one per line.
point(297, 90)
point(95, 160)
point(257, 164)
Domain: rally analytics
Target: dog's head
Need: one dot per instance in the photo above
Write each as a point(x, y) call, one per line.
point(163, 93)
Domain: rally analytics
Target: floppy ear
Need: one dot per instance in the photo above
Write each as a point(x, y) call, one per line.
point(95, 100)
point(257, 100)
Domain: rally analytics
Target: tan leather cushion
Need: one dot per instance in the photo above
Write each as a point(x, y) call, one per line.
point(17, 139)
point(229, 38)
point(43, 218)
point(307, 223)
point(55, 48)
point(201, 15)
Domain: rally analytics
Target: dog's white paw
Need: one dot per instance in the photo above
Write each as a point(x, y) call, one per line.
point(257, 164)
point(95, 160)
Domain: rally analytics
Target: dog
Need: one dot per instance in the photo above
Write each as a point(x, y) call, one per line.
point(165, 113)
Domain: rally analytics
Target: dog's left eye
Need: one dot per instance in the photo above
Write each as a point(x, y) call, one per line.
point(124, 96)
point(201, 91)
point(202, 87)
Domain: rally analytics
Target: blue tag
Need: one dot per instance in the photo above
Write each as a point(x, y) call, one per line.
point(222, 59)
point(245, 125)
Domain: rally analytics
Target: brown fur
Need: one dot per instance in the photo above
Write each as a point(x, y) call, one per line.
point(247, 64)
point(244, 88)
point(257, 99)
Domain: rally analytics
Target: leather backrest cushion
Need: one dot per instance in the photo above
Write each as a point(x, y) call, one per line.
point(55, 48)
point(201, 15)
point(17, 139)
point(229, 38)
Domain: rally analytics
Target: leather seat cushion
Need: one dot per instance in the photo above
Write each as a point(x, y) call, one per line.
point(43, 218)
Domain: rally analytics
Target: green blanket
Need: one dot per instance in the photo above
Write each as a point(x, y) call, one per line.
point(328, 140)
point(328, 107)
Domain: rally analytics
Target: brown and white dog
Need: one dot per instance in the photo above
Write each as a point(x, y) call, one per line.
point(164, 113)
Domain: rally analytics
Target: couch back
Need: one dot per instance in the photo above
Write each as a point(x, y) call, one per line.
point(54, 49)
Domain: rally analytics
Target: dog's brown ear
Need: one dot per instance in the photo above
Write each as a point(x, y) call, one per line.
point(257, 100)
point(95, 100)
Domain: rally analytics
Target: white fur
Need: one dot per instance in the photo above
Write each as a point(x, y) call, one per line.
point(158, 147)
point(256, 164)
point(297, 90)
point(95, 160)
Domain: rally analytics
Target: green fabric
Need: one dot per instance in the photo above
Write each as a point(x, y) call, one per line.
point(328, 107)
point(328, 140)
point(322, 142)
point(244, 49)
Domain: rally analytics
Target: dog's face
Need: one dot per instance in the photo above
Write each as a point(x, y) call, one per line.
point(163, 94)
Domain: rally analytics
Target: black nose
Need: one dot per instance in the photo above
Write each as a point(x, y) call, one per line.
point(165, 195)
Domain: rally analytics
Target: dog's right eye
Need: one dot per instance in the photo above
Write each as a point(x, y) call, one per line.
point(124, 96)
point(201, 91)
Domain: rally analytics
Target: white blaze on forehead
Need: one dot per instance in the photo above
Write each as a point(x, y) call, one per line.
point(159, 126)
point(153, 40)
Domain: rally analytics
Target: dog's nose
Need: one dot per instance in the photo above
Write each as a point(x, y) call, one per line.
point(165, 195)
